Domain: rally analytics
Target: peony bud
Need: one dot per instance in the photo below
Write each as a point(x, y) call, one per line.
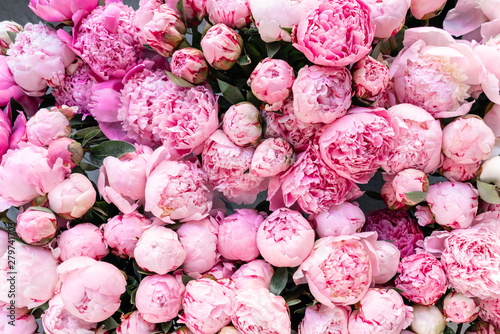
point(190, 65)
point(388, 257)
point(344, 219)
point(165, 30)
point(81, 240)
point(46, 126)
point(427, 320)
point(73, 197)
point(241, 124)
point(272, 157)
point(425, 9)
point(234, 14)
point(8, 29)
point(370, 77)
point(36, 226)
point(69, 150)
point(221, 46)
point(459, 308)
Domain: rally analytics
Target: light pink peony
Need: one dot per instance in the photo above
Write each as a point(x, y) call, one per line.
point(339, 270)
point(344, 219)
point(320, 319)
point(407, 181)
point(253, 275)
point(492, 119)
point(35, 278)
point(459, 308)
point(489, 310)
point(468, 140)
point(457, 172)
point(234, 14)
point(7, 27)
point(388, 16)
point(424, 10)
point(10, 89)
point(38, 58)
point(237, 239)
point(145, 13)
point(122, 181)
point(90, 289)
point(73, 197)
point(468, 16)
point(224, 269)
point(422, 278)
point(159, 250)
point(380, 312)
point(178, 190)
point(335, 33)
point(47, 125)
point(453, 204)
point(81, 240)
point(16, 320)
point(60, 11)
point(272, 157)
point(36, 226)
point(260, 312)
point(321, 94)
point(207, 305)
point(199, 240)
point(271, 82)
point(194, 11)
point(242, 124)
point(27, 173)
point(122, 232)
point(226, 166)
point(427, 319)
point(228, 330)
point(285, 238)
point(159, 297)
point(133, 323)
point(76, 89)
point(356, 145)
point(165, 31)
point(370, 78)
point(221, 46)
point(418, 142)
point(388, 257)
point(312, 184)
point(69, 150)
point(190, 65)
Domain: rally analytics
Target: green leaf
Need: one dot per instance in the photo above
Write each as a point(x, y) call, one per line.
point(110, 323)
point(148, 47)
point(80, 134)
point(488, 192)
point(293, 302)
point(132, 296)
point(186, 279)
point(113, 148)
point(178, 80)
point(180, 8)
point(273, 48)
point(376, 50)
point(41, 208)
point(206, 28)
point(279, 280)
point(448, 330)
point(397, 290)
point(12, 36)
point(416, 196)
point(244, 60)
point(288, 30)
point(253, 52)
point(91, 135)
point(230, 92)
point(87, 167)
point(165, 327)
point(253, 99)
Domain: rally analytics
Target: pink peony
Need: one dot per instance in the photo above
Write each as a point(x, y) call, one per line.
point(388, 16)
point(459, 308)
point(427, 319)
point(159, 250)
point(221, 46)
point(194, 11)
point(397, 227)
point(321, 94)
point(344, 219)
point(422, 278)
point(47, 125)
point(271, 82)
point(356, 145)
point(207, 305)
point(234, 14)
point(482, 327)
point(224, 269)
point(312, 184)
point(178, 190)
point(159, 298)
point(424, 10)
point(5, 131)
point(133, 323)
point(190, 65)
point(16, 320)
point(380, 312)
point(253, 275)
point(320, 319)
point(492, 119)
point(272, 157)
point(237, 239)
point(370, 78)
point(73, 197)
point(7, 27)
point(69, 150)
point(60, 11)
point(457, 172)
point(199, 240)
point(10, 89)
point(165, 31)
point(76, 89)
point(468, 16)
point(339, 270)
point(122, 232)
point(36, 226)
point(489, 310)
point(81, 240)
point(388, 257)
point(242, 124)
point(407, 181)
point(260, 312)
point(90, 289)
point(335, 33)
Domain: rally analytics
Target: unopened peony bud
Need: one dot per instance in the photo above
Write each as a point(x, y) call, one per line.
point(69, 150)
point(344, 219)
point(388, 257)
point(73, 197)
point(425, 9)
point(221, 46)
point(272, 157)
point(36, 226)
point(427, 320)
point(234, 14)
point(194, 11)
point(459, 308)
point(165, 31)
point(189, 64)
point(241, 124)
point(81, 240)
point(46, 126)
point(134, 323)
point(8, 29)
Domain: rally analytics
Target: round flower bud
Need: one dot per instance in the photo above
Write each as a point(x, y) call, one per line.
point(7, 27)
point(388, 257)
point(46, 126)
point(133, 323)
point(344, 219)
point(221, 46)
point(122, 232)
point(190, 65)
point(253, 275)
point(370, 78)
point(427, 320)
point(234, 14)
point(272, 157)
point(69, 150)
point(241, 124)
point(73, 197)
point(459, 308)
point(81, 240)
point(36, 226)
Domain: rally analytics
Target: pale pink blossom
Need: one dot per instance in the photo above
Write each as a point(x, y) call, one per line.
point(370, 78)
point(459, 308)
point(221, 46)
point(5, 131)
point(36, 226)
point(388, 256)
point(47, 125)
point(7, 27)
point(253, 275)
point(57, 320)
point(272, 157)
point(424, 215)
point(234, 14)
point(424, 10)
point(225, 269)
point(16, 320)
point(81, 240)
point(122, 232)
point(10, 89)
point(194, 11)
point(189, 64)
point(73, 197)
point(457, 172)
point(133, 323)
point(242, 124)
point(388, 16)
point(406, 181)
point(319, 319)
point(344, 219)
point(165, 31)
point(492, 119)
point(60, 11)
point(69, 150)
point(468, 15)
point(489, 310)
point(427, 319)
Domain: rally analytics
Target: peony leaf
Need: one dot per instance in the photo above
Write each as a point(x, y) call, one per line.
point(273, 48)
point(12, 36)
point(186, 279)
point(448, 330)
point(288, 30)
point(230, 92)
point(488, 192)
point(178, 80)
point(279, 280)
point(110, 323)
point(41, 208)
point(293, 302)
point(416, 196)
point(165, 327)
point(113, 148)
point(244, 60)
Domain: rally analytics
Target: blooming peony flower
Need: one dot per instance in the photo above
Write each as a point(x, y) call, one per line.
point(242, 124)
point(10, 89)
point(489, 310)
point(47, 125)
point(388, 257)
point(467, 16)
point(320, 319)
point(221, 46)
point(60, 11)
point(388, 16)
point(253, 275)
point(36, 226)
point(76, 89)
point(272, 157)
point(81, 240)
point(189, 64)
point(459, 308)
point(73, 197)
point(165, 31)
point(344, 219)
point(225, 269)
point(335, 33)
point(133, 323)
point(370, 78)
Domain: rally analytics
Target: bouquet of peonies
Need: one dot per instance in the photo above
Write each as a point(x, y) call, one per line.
point(205, 166)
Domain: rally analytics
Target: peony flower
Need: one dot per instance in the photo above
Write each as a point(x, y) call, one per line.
point(90, 289)
point(194, 11)
point(47, 125)
point(133, 323)
point(76, 89)
point(424, 10)
point(344, 219)
point(320, 319)
point(489, 310)
point(260, 312)
point(356, 145)
point(272, 157)
point(122, 232)
point(427, 320)
point(253, 275)
point(422, 278)
point(165, 31)
point(339, 270)
point(159, 298)
point(178, 190)
point(225, 269)
point(10, 89)
point(237, 239)
point(489, 171)
point(199, 240)
point(81, 240)
point(406, 181)
point(388, 16)
point(242, 124)
point(312, 184)
point(397, 227)
point(335, 33)
point(7, 27)
point(221, 46)
point(234, 14)
point(69, 150)
point(482, 327)
point(271, 82)
point(190, 65)
point(60, 11)
point(73, 197)
point(370, 78)
point(16, 320)
point(285, 238)
point(468, 16)
point(457, 172)
point(36, 226)
point(207, 305)
point(321, 94)
point(459, 308)
point(159, 250)
point(388, 257)
point(380, 312)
